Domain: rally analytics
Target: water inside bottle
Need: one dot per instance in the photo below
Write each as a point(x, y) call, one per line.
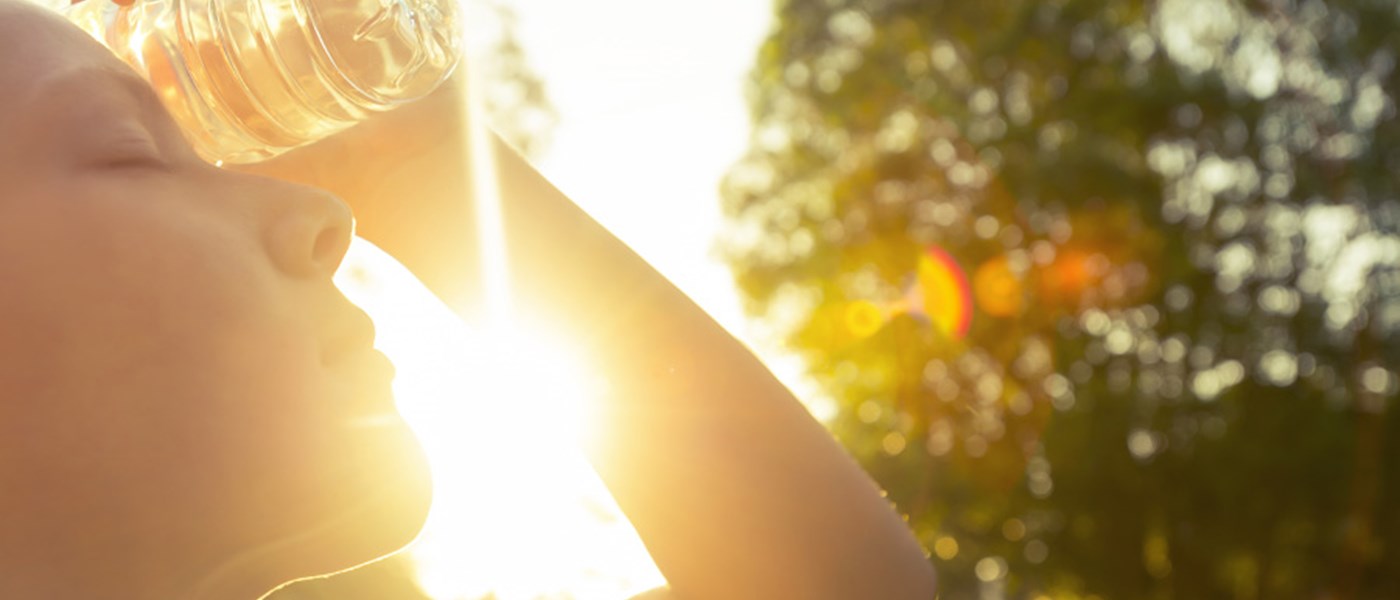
point(250, 79)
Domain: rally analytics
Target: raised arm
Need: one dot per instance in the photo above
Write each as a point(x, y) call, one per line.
point(736, 491)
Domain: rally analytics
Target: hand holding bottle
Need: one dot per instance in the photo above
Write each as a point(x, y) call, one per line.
point(251, 79)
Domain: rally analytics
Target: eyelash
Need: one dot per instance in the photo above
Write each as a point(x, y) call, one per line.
point(134, 162)
point(133, 154)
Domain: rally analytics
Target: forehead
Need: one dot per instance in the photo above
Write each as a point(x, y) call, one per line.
point(36, 44)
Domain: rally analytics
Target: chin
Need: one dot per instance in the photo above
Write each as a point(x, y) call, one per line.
point(381, 511)
point(378, 521)
point(394, 506)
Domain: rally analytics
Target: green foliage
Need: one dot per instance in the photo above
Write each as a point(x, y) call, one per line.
point(1182, 224)
point(516, 101)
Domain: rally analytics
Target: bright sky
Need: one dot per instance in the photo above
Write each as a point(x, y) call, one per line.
point(652, 113)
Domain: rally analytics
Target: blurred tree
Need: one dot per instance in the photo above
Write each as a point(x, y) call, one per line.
point(516, 101)
point(1177, 225)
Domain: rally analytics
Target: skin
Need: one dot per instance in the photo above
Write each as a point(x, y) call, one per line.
point(188, 406)
point(736, 491)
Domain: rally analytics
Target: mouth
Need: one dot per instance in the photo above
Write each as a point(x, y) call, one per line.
point(366, 372)
point(367, 381)
point(354, 337)
point(378, 367)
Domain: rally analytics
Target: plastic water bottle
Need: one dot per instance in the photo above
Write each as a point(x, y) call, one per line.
point(250, 79)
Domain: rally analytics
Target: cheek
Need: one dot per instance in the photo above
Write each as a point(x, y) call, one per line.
point(180, 370)
point(146, 273)
point(206, 335)
point(157, 335)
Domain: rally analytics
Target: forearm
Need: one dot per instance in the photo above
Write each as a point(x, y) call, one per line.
point(736, 490)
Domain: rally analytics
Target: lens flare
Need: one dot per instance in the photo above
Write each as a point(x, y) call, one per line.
point(998, 288)
point(938, 294)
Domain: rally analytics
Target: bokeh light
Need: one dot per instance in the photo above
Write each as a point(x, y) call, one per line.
point(998, 288)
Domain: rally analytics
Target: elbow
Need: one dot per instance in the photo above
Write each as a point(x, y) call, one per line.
point(906, 575)
point(907, 581)
point(910, 577)
point(923, 582)
point(907, 572)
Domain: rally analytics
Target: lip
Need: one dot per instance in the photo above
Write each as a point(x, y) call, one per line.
point(369, 377)
point(356, 335)
point(377, 367)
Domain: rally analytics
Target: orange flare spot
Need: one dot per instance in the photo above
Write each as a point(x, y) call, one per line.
point(999, 290)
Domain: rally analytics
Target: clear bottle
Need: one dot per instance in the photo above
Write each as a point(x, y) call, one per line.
point(250, 79)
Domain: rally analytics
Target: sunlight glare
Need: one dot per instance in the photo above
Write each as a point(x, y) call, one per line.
point(499, 409)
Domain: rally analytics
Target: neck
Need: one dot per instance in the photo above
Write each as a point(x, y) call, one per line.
point(96, 557)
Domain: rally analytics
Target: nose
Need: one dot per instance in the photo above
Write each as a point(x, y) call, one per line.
point(311, 233)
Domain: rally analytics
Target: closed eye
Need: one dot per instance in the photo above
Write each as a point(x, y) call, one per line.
point(133, 162)
point(108, 119)
point(133, 149)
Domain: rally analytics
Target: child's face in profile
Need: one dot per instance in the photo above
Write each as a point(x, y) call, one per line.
point(175, 363)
